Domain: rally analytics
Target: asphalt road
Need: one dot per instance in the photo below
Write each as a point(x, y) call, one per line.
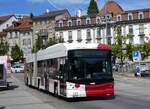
point(131, 93)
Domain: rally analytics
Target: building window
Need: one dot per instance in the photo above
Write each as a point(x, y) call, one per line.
point(79, 36)
point(38, 22)
point(108, 31)
point(98, 33)
point(61, 24)
point(124, 30)
point(98, 21)
point(43, 22)
point(131, 29)
point(69, 23)
point(130, 16)
point(10, 35)
point(119, 18)
point(141, 29)
point(142, 40)
point(79, 22)
point(130, 40)
point(29, 42)
point(61, 34)
point(24, 41)
point(88, 21)
point(88, 34)
point(47, 21)
point(70, 36)
point(141, 15)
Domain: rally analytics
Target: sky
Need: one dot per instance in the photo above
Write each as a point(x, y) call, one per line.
point(37, 7)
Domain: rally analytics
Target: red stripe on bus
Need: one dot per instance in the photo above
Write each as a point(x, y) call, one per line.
point(105, 89)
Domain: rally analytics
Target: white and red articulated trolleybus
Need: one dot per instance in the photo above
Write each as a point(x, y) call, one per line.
point(72, 70)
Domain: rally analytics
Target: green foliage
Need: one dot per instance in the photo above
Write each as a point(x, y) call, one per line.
point(16, 53)
point(4, 47)
point(119, 45)
point(52, 41)
point(146, 49)
point(129, 49)
point(93, 8)
point(37, 46)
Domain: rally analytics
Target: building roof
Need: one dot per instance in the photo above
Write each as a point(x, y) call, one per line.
point(24, 24)
point(5, 18)
point(111, 7)
point(76, 17)
point(50, 14)
point(138, 10)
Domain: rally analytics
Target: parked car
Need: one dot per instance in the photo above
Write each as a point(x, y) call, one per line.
point(145, 73)
point(17, 68)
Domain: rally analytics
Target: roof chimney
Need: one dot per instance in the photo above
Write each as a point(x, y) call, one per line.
point(79, 13)
point(47, 10)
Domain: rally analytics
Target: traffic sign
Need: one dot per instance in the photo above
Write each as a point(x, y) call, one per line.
point(136, 55)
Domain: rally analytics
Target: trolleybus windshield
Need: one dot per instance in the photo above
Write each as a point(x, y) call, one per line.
point(89, 64)
point(1, 71)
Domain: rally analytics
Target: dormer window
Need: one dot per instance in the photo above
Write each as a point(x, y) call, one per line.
point(78, 22)
point(141, 15)
point(88, 21)
point(98, 20)
point(61, 23)
point(69, 23)
point(130, 16)
point(119, 18)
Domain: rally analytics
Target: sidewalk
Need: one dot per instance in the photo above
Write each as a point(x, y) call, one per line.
point(129, 75)
point(124, 74)
point(17, 97)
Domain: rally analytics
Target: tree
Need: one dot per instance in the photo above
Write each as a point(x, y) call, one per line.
point(119, 45)
point(129, 49)
point(16, 53)
point(52, 41)
point(146, 49)
point(37, 46)
point(93, 8)
point(4, 47)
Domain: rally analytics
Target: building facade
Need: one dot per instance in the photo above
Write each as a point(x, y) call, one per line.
point(7, 21)
point(20, 33)
point(44, 25)
point(84, 29)
point(135, 24)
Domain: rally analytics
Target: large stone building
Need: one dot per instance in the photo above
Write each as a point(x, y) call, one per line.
point(100, 29)
point(6, 21)
point(44, 25)
point(20, 33)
